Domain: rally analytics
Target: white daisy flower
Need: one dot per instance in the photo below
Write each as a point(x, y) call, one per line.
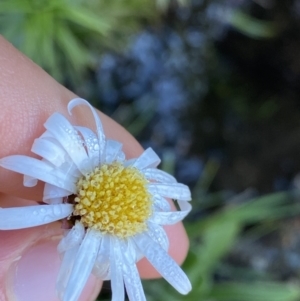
point(117, 207)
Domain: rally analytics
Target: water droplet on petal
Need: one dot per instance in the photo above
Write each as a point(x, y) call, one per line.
point(47, 218)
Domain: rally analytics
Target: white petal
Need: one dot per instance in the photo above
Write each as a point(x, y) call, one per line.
point(70, 140)
point(101, 137)
point(158, 175)
point(102, 271)
point(112, 150)
point(83, 265)
point(39, 170)
point(65, 271)
point(104, 250)
point(184, 206)
point(52, 152)
point(173, 217)
point(49, 150)
point(48, 136)
point(129, 162)
point(91, 144)
point(31, 216)
point(121, 157)
point(52, 192)
point(128, 250)
point(59, 157)
point(116, 263)
point(29, 181)
point(131, 275)
point(163, 263)
point(158, 234)
point(161, 203)
point(70, 170)
point(72, 239)
point(147, 159)
point(102, 264)
point(175, 191)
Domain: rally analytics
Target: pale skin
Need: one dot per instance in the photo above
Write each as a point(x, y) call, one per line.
point(28, 96)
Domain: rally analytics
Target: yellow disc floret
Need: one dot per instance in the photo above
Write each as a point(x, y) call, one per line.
point(114, 199)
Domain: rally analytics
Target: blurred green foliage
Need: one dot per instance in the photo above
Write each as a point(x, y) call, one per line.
point(66, 37)
point(211, 240)
point(250, 26)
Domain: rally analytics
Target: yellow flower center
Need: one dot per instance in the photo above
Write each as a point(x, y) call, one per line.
point(114, 200)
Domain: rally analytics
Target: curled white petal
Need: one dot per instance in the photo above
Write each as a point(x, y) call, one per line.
point(39, 170)
point(91, 143)
point(70, 140)
point(175, 191)
point(163, 263)
point(158, 175)
point(83, 265)
point(173, 217)
point(31, 216)
point(49, 150)
point(147, 159)
point(100, 133)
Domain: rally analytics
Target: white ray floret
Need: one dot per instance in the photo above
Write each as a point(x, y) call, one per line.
point(116, 207)
point(31, 216)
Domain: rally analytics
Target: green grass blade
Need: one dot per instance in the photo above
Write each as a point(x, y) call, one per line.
point(87, 19)
point(255, 292)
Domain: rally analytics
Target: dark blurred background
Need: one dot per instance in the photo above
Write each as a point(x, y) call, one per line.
point(214, 88)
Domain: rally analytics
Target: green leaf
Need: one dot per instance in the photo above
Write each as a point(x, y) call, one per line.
point(143, 118)
point(252, 27)
point(255, 292)
point(217, 240)
point(87, 19)
point(168, 161)
point(209, 173)
point(271, 206)
point(74, 52)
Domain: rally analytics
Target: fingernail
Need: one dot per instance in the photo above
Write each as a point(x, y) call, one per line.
point(34, 274)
